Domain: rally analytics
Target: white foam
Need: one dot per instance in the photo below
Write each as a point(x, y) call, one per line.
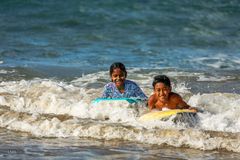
point(111, 109)
point(218, 61)
point(41, 96)
point(55, 127)
point(221, 111)
point(214, 79)
point(44, 97)
point(236, 60)
point(181, 88)
point(6, 72)
point(37, 106)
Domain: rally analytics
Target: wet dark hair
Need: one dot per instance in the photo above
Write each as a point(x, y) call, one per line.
point(161, 79)
point(117, 65)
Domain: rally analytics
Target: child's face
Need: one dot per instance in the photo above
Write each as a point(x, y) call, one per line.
point(118, 77)
point(162, 91)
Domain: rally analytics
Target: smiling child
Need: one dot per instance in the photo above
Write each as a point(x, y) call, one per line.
point(120, 87)
point(163, 97)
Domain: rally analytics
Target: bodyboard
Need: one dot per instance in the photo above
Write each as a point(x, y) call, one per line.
point(158, 115)
point(129, 100)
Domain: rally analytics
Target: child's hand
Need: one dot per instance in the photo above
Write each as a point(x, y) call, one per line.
point(193, 109)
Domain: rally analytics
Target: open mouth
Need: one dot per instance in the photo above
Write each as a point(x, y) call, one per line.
point(162, 98)
point(118, 82)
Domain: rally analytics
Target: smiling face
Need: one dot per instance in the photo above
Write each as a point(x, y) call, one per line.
point(118, 77)
point(162, 91)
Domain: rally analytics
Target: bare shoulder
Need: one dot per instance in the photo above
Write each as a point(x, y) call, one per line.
point(152, 98)
point(151, 102)
point(175, 96)
point(177, 99)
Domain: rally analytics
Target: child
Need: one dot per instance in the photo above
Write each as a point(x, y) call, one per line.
point(163, 97)
point(120, 87)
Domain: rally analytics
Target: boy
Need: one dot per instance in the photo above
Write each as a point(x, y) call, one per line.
point(163, 97)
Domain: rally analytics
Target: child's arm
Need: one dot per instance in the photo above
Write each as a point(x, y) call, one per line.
point(139, 93)
point(151, 102)
point(107, 92)
point(180, 103)
point(183, 105)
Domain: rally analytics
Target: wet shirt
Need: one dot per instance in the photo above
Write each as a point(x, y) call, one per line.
point(131, 90)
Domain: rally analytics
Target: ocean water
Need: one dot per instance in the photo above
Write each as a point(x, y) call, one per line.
point(54, 60)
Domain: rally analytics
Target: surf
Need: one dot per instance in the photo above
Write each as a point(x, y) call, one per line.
point(50, 108)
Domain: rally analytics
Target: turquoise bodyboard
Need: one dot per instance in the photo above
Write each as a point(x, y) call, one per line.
point(129, 100)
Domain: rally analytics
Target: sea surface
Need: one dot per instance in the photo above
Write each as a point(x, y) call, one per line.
point(55, 58)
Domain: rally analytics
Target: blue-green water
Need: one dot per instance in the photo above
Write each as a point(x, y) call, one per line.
point(73, 43)
point(90, 35)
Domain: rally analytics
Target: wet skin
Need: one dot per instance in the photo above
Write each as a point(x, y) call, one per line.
point(118, 77)
point(162, 92)
point(164, 98)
